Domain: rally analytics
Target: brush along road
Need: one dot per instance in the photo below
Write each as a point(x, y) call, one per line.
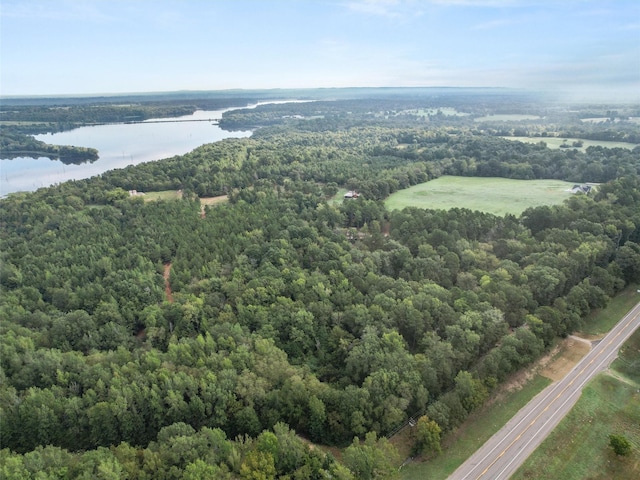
point(503, 453)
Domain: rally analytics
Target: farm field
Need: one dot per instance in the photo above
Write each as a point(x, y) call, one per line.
point(425, 112)
point(607, 119)
point(498, 196)
point(579, 447)
point(506, 118)
point(555, 142)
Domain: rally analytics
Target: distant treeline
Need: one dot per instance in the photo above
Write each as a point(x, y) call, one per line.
point(375, 160)
point(407, 112)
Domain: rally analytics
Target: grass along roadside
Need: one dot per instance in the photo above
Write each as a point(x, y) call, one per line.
point(460, 444)
point(601, 321)
point(499, 196)
point(579, 446)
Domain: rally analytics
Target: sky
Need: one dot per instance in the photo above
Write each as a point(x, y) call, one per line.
point(55, 47)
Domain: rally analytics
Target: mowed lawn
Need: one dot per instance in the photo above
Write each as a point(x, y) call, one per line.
point(492, 195)
point(162, 195)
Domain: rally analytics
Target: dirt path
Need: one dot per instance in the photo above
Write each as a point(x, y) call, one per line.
point(580, 339)
point(622, 378)
point(167, 287)
point(571, 351)
point(554, 365)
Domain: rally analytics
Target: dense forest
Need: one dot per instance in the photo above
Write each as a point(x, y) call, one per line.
point(170, 339)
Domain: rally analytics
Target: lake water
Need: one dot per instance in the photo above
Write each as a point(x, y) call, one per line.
point(118, 146)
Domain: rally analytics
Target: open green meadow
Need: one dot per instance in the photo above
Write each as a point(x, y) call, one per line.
point(579, 447)
point(555, 142)
point(508, 117)
point(338, 198)
point(162, 195)
point(425, 112)
point(499, 196)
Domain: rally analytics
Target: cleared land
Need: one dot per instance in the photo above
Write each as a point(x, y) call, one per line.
point(499, 196)
point(213, 200)
point(579, 446)
point(555, 142)
point(425, 112)
point(564, 357)
point(506, 118)
point(176, 194)
point(607, 119)
point(162, 195)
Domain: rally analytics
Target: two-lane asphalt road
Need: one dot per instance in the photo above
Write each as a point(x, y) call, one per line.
point(503, 453)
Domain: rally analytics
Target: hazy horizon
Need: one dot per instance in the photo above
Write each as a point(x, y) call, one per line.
point(583, 49)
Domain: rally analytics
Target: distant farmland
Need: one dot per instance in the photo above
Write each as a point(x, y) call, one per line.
point(555, 142)
point(493, 195)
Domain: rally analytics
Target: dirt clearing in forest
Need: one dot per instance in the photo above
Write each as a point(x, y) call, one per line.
point(567, 354)
point(211, 201)
point(167, 286)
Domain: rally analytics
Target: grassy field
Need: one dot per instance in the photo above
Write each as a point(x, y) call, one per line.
point(555, 142)
point(493, 195)
point(579, 447)
point(424, 112)
point(506, 118)
point(177, 194)
point(601, 321)
point(162, 195)
point(338, 198)
point(214, 200)
point(479, 427)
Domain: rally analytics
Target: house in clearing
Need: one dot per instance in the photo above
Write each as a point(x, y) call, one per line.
point(350, 194)
point(581, 189)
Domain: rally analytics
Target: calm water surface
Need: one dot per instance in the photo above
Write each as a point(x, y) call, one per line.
point(118, 146)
